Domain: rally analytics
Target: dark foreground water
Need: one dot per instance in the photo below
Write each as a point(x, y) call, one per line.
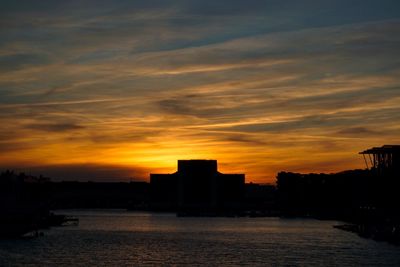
point(119, 238)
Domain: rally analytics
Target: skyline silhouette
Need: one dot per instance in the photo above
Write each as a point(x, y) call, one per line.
point(200, 133)
point(366, 200)
point(375, 158)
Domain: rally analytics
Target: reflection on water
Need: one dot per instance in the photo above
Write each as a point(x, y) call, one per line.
point(119, 238)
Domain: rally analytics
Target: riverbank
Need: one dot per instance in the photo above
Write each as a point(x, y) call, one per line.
point(387, 233)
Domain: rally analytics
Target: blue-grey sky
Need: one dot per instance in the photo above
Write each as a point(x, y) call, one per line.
point(116, 89)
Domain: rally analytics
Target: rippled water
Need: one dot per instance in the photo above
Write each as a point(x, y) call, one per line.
point(119, 238)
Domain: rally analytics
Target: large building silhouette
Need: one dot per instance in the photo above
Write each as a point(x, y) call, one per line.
point(384, 160)
point(197, 187)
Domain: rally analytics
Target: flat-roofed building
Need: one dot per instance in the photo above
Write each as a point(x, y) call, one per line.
point(197, 186)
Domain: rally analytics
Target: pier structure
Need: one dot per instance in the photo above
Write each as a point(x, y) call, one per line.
point(385, 160)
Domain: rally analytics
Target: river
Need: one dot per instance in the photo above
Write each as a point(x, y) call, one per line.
point(121, 238)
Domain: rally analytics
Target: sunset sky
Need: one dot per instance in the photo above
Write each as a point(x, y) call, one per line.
point(102, 90)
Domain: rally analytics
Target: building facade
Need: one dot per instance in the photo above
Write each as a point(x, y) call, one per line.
point(197, 186)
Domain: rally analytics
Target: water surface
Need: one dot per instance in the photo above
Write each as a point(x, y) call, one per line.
point(120, 238)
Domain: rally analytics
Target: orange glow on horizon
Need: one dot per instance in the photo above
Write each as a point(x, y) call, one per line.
point(160, 156)
point(79, 97)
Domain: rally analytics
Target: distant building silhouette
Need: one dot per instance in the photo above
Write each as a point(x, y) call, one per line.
point(369, 199)
point(117, 195)
point(385, 160)
point(197, 187)
point(23, 203)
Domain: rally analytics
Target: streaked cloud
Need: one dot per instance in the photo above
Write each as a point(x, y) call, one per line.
point(262, 87)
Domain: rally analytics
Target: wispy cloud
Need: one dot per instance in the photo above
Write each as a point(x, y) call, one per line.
point(257, 85)
point(55, 127)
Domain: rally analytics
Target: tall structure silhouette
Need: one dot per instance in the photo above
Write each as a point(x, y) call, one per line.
point(385, 160)
point(197, 187)
point(384, 163)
